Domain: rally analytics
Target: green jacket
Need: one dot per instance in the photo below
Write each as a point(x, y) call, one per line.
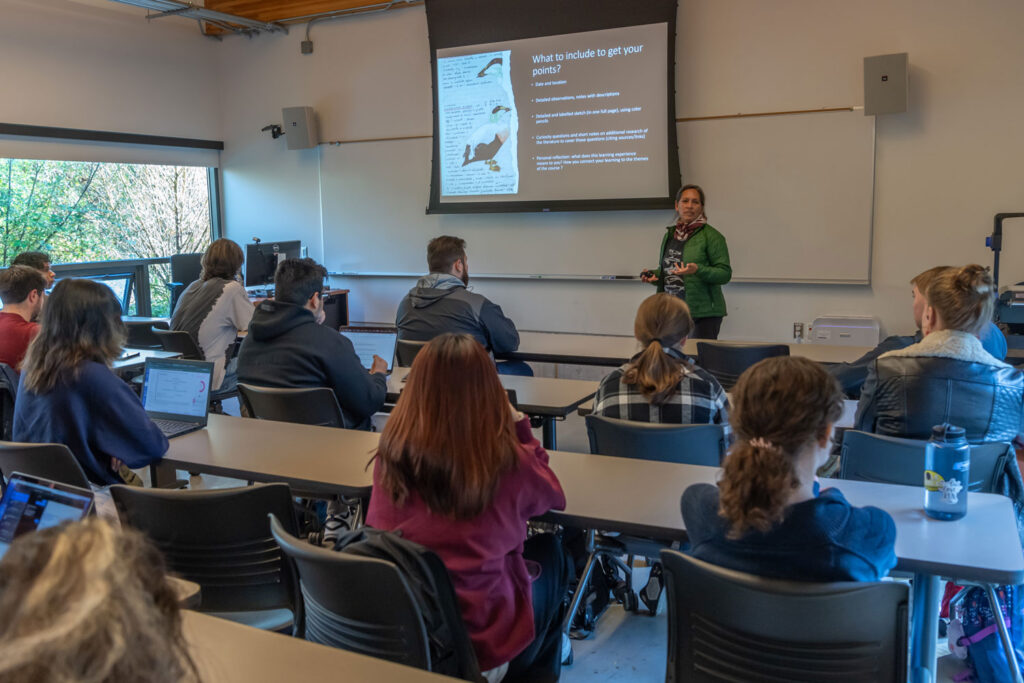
point(706, 248)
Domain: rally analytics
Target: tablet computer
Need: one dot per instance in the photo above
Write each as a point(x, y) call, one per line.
point(372, 341)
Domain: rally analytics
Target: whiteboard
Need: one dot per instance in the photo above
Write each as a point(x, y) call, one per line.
point(792, 194)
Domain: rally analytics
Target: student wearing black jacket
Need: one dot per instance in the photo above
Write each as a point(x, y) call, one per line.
point(288, 347)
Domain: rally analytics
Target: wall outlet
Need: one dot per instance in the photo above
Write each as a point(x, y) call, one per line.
point(798, 330)
point(307, 47)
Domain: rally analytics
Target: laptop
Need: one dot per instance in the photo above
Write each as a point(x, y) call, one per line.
point(31, 503)
point(371, 341)
point(176, 394)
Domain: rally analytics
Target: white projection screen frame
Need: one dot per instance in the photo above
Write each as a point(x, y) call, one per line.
point(552, 105)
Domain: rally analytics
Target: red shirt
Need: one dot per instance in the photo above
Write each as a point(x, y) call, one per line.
point(15, 334)
point(484, 556)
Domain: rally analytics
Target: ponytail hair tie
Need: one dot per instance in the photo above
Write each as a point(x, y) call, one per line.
point(761, 442)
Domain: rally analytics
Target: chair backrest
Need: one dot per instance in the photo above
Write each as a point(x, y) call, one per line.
point(220, 539)
point(367, 604)
point(140, 333)
point(186, 268)
point(47, 460)
point(892, 460)
point(309, 406)
point(728, 361)
point(730, 626)
point(179, 341)
point(8, 392)
point(686, 444)
point(406, 350)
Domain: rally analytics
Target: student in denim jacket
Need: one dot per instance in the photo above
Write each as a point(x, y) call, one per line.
point(767, 515)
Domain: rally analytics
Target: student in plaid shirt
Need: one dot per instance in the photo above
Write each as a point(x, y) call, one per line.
point(661, 384)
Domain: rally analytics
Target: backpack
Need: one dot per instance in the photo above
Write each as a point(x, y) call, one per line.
point(451, 652)
point(973, 634)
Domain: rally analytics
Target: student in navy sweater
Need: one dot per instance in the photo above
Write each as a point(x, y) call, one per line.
point(68, 394)
point(767, 516)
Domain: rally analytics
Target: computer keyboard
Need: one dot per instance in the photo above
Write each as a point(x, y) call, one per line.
point(172, 427)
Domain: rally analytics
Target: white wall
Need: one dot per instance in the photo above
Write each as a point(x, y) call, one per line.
point(942, 170)
point(102, 66)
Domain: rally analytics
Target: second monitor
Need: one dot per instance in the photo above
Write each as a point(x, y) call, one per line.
point(261, 260)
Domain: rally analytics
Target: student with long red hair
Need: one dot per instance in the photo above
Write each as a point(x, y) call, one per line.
point(459, 471)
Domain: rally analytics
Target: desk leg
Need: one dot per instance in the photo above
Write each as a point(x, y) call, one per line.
point(164, 476)
point(548, 434)
point(924, 627)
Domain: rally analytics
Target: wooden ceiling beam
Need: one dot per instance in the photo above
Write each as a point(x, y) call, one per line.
point(277, 10)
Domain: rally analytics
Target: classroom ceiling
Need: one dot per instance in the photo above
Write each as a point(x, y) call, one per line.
point(297, 11)
point(250, 17)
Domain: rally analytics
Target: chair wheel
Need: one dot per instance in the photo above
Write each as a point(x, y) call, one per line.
point(630, 602)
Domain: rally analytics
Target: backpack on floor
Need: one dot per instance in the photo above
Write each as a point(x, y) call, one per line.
point(451, 652)
point(973, 633)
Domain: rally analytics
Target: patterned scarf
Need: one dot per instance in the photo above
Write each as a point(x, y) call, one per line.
point(683, 232)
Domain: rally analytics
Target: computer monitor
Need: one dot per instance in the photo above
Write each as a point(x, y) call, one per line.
point(261, 260)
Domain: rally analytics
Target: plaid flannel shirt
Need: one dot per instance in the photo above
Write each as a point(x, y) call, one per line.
point(699, 399)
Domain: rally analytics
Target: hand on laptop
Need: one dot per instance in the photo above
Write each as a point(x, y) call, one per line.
point(380, 366)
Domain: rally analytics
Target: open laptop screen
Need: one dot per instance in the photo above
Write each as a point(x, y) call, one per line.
point(31, 503)
point(177, 389)
point(370, 341)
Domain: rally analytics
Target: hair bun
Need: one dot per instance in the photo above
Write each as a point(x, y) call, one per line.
point(974, 278)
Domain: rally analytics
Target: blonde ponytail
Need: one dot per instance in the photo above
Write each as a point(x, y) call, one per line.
point(662, 321)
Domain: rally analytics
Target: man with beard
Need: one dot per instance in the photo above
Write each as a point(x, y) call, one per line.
point(441, 302)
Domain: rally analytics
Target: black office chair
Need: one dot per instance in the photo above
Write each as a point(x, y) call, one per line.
point(185, 269)
point(179, 341)
point(309, 406)
point(141, 335)
point(728, 361)
point(406, 350)
point(221, 540)
point(47, 460)
point(686, 444)
point(892, 460)
point(365, 605)
point(8, 393)
point(725, 625)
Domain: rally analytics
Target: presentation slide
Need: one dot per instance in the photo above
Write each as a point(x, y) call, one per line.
point(579, 116)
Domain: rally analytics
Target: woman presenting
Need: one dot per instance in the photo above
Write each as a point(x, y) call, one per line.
point(694, 264)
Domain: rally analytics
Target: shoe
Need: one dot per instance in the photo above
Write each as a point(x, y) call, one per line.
point(336, 525)
point(651, 593)
point(566, 650)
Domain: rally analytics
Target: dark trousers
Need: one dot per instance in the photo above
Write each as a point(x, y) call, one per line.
point(706, 328)
point(541, 661)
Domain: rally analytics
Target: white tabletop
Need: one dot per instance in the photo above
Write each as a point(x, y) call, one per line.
point(546, 396)
point(138, 358)
point(226, 652)
point(556, 347)
point(614, 494)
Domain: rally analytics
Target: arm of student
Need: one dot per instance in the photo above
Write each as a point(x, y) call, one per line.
point(241, 308)
point(545, 489)
point(500, 330)
point(359, 392)
point(124, 430)
point(864, 419)
point(718, 270)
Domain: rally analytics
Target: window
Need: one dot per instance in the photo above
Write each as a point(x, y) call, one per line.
point(91, 212)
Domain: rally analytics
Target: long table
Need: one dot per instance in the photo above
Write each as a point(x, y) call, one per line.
point(638, 497)
point(589, 349)
point(227, 652)
point(545, 397)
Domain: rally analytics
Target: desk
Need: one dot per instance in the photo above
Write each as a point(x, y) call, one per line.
point(586, 349)
point(227, 652)
point(138, 362)
point(545, 397)
point(333, 460)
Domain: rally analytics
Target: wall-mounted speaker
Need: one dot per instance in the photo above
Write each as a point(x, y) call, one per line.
point(885, 84)
point(300, 127)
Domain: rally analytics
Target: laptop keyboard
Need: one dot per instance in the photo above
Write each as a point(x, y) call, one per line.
point(172, 427)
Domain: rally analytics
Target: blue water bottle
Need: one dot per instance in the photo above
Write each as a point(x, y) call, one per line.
point(947, 463)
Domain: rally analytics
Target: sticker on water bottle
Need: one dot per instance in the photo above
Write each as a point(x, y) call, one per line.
point(949, 488)
point(933, 481)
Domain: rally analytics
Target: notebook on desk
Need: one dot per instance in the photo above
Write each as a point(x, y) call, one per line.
point(31, 503)
point(176, 394)
point(372, 341)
